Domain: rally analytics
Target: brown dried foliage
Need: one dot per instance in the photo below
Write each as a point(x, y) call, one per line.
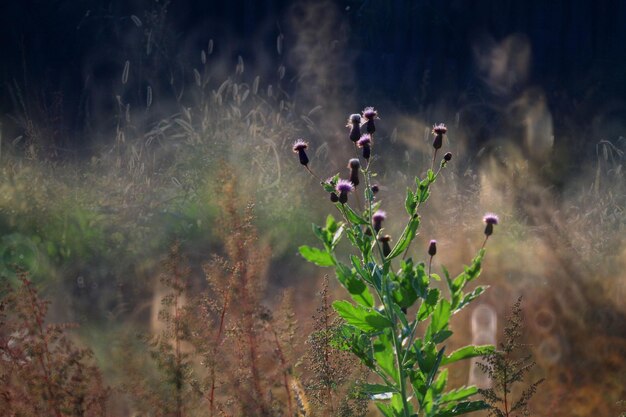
point(42, 371)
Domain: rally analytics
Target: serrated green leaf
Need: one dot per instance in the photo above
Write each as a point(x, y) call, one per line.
point(468, 298)
point(384, 355)
point(357, 288)
point(458, 394)
point(463, 408)
point(361, 317)
point(316, 256)
point(408, 234)
point(468, 352)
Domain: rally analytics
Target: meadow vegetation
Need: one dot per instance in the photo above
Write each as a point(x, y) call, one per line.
point(173, 249)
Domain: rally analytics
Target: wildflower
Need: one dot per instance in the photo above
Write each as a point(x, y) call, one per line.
point(385, 241)
point(375, 188)
point(439, 130)
point(378, 218)
point(432, 248)
point(490, 220)
point(369, 113)
point(365, 143)
point(300, 147)
point(344, 187)
point(447, 157)
point(354, 165)
point(354, 123)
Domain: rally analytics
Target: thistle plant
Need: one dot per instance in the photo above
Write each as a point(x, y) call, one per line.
point(393, 299)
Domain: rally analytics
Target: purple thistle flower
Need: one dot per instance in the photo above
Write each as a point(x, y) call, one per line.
point(490, 220)
point(300, 147)
point(440, 129)
point(379, 216)
point(344, 187)
point(369, 113)
point(365, 143)
point(432, 248)
point(377, 219)
point(365, 140)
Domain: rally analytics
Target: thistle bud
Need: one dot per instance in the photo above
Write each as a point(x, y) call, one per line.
point(439, 130)
point(386, 247)
point(344, 187)
point(365, 143)
point(432, 248)
point(369, 113)
point(334, 197)
point(354, 166)
point(447, 157)
point(490, 220)
point(354, 123)
point(377, 220)
point(300, 147)
point(375, 188)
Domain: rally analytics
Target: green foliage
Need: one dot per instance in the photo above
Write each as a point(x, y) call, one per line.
point(391, 302)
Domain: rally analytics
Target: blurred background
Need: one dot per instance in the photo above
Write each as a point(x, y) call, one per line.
point(119, 121)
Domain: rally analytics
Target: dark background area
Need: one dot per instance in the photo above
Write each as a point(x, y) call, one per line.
point(66, 53)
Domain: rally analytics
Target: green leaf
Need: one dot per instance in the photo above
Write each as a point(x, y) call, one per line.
point(337, 236)
point(385, 409)
point(435, 367)
point(468, 298)
point(409, 203)
point(361, 317)
point(384, 355)
point(372, 389)
point(316, 256)
point(458, 394)
point(468, 352)
point(351, 215)
point(463, 408)
point(357, 288)
point(428, 305)
point(441, 382)
point(440, 318)
point(407, 236)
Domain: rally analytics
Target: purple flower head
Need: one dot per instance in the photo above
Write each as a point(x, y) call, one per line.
point(300, 145)
point(491, 218)
point(377, 220)
point(370, 113)
point(432, 248)
point(354, 119)
point(344, 186)
point(379, 216)
point(439, 129)
point(354, 164)
point(366, 140)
